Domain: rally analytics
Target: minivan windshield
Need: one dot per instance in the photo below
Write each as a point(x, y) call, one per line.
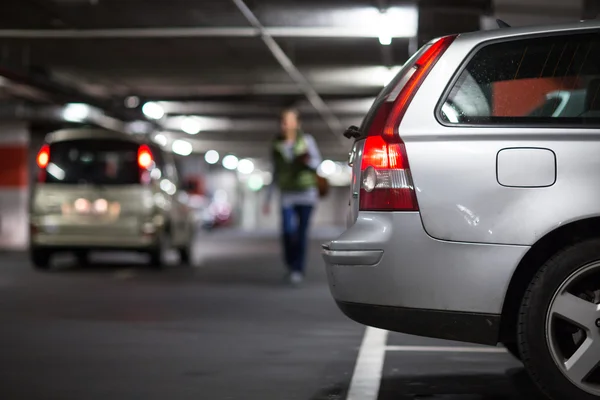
point(93, 161)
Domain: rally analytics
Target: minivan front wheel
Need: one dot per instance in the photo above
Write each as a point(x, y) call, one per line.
point(559, 324)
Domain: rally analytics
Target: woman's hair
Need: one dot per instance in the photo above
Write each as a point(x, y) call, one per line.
point(290, 110)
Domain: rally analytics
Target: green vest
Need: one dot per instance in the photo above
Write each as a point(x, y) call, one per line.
point(293, 175)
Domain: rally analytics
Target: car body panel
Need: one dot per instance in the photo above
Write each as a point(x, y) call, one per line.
point(454, 171)
point(415, 270)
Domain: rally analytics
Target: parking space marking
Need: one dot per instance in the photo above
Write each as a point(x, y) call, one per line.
point(369, 365)
point(446, 349)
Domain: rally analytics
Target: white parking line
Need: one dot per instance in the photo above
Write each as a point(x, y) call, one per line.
point(447, 349)
point(367, 372)
point(366, 378)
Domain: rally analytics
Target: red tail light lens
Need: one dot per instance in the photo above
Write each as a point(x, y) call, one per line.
point(386, 183)
point(42, 160)
point(43, 157)
point(145, 158)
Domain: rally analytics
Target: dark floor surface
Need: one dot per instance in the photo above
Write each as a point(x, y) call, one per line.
point(226, 328)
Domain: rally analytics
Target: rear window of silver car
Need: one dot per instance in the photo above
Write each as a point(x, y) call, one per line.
point(541, 80)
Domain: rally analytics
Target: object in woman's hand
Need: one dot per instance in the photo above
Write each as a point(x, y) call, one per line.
point(303, 158)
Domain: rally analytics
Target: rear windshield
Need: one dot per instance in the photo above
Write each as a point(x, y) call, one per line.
point(92, 161)
point(384, 94)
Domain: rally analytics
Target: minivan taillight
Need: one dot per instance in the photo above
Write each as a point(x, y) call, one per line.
point(386, 183)
point(145, 158)
point(42, 160)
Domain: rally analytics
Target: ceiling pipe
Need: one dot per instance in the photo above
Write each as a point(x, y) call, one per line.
point(334, 124)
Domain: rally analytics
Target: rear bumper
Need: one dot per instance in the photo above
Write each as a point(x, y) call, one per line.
point(386, 267)
point(67, 242)
point(466, 327)
point(125, 233)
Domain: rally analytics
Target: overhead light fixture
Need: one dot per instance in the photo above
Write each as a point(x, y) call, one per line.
point(76, 112)
point(160, 139)
point(386, 29)
point(327, 167)
point(255, 182)
point(385, 40)
point(190, 125)
point(182, 147)
point(230, 162)
point(132, 101)
point(245, 167)
point(211, 157)
point(153, 110)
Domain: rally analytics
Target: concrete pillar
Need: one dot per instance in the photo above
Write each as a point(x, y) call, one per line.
point(14, 192)
point(445, 17)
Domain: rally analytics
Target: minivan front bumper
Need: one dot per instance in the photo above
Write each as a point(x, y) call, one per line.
point(385, 271)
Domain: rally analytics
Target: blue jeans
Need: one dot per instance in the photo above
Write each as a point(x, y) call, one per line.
point(295, 220)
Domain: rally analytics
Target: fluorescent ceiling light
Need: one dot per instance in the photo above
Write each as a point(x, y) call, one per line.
point(190, 125)
point(182, 147)
point(160, 139)
point(245, 167)
point(327, 167)
point(76, 112)
point(211, 157)
point(153, 110)
point(230, 162)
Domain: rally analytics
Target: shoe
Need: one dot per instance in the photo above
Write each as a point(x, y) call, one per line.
point(296, 278)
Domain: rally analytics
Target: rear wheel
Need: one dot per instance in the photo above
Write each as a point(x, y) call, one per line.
point(157, 255)
point(559, 324)
point(40, 259)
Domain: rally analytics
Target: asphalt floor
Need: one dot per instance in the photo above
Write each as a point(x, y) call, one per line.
point(226, 327)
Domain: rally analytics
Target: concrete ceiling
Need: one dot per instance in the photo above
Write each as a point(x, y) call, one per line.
point(204, 58)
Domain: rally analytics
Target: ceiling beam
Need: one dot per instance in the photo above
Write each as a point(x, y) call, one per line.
point(358, 107)
point(226, 32)
point(311, 94)
point(269, 126)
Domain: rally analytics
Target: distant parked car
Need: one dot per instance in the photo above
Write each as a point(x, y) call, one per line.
point(103, 190)
point(474, 212)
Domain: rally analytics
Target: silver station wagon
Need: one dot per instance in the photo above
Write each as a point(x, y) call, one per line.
point(474, 212)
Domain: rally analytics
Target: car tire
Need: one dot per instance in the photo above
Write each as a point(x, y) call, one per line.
point(547, 338)
point(184, 255)
point(83, 258)
point(513, 349)
point(40, 259)
point(157, 255)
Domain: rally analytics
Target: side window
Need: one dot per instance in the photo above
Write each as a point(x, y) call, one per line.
point(529, 81)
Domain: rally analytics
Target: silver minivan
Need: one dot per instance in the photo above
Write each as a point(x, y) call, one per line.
point(104, 190)
point(474, 212)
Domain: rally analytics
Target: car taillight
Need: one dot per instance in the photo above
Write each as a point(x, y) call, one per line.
point(43, 156)
point(145, 159)
point(386, 183)
point(145, 162)
point(42, 160)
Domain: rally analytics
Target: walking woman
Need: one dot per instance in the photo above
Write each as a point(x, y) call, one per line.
point(295, 158)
